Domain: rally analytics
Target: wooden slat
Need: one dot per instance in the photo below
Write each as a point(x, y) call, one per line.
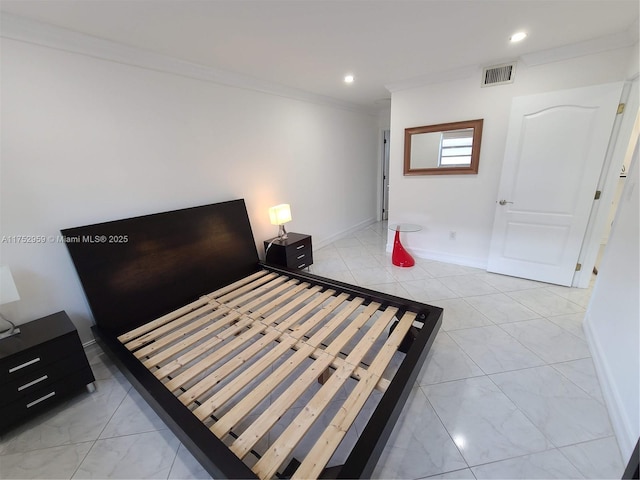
point(320, 454)
point(282, 304)
point(209, 406)
point(202, 348)
point(192, 340)
point(245, 405)
point(381, 386)
point(173, 330)
point(265, 389)
point(207, 362)
point(390, 347)
point(289, 314)
point(235, 285)
point(147, 327)
point(222, 396)
point(279, 450)
point(281, 291)
point(358, 373)
point(197, 336)
point(245, 442)
point(259, 393)
point(258, 286)
point(192, 372)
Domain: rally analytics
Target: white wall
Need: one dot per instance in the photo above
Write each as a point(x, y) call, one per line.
point(86, 140)
point(466, 203)
point(612, 322)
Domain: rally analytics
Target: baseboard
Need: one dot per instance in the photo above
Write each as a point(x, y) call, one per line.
point(444, 257)
point(619, 421)
point(345, 233)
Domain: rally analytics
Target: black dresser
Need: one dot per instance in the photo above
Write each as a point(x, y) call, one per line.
point(293, 252)
point(44, 363)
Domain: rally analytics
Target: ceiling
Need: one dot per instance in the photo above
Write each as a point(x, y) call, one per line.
point(312, 44)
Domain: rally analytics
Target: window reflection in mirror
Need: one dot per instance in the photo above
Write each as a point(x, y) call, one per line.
point(455, 148)
point(450, 148)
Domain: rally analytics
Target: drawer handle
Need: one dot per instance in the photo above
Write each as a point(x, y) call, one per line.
point(300, 247)
point(26, 364)
point(302, 256)
point(302, 266)
point(30, 384)
point(41, 399)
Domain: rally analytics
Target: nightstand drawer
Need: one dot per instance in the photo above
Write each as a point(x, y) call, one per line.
point(42, 364)
point(42, 377)
point(43, 397)
point(31, 360)
point(293, 252)
point(300, 257)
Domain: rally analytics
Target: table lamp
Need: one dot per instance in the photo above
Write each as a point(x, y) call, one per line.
point(279, 215)
point(8, 293)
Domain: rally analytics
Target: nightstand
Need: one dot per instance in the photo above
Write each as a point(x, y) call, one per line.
point(293, 252)
point(42, 364)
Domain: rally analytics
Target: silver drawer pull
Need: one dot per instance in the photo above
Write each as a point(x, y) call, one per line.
point(26, 364)
point(302, 266)
point(41, 399)
point(30, 384)
point(300, 247)
point(302, 256)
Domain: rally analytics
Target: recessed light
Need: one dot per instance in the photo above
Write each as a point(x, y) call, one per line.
point(517, 37)
point(348, 79)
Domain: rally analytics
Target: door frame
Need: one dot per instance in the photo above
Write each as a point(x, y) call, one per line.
point(561, 267)
point(386, 144)
point(616, 151)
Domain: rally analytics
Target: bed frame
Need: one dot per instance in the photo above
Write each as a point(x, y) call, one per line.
point(261, 372)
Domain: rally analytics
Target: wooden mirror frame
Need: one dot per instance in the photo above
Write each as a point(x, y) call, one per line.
point(444, 127)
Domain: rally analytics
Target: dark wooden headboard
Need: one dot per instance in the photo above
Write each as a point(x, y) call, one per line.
point(137, 269)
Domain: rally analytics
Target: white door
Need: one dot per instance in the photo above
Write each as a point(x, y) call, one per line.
point(555, 150)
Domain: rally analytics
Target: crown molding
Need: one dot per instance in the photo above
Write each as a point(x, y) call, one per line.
point(624, 39)
point(29, 31)
point(432, 78)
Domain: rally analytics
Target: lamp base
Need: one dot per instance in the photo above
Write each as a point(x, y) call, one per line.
point(282, 233)
point(9, 333)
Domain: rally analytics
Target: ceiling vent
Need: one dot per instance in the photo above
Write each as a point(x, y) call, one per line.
point(498, 74)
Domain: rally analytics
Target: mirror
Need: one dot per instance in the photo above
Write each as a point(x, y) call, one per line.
point(444, 149)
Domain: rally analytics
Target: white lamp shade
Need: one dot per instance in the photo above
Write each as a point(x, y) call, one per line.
point(8, 290)
point(280, 214)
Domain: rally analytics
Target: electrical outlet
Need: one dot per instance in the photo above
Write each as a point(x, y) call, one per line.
point(452, 235)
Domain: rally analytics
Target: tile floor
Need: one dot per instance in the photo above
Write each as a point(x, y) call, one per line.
point(508, 390)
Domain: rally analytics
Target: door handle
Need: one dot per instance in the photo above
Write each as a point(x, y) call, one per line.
point(503, 202)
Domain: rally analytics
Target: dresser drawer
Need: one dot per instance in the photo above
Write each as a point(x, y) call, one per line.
point(44, 397)
point(33, 359)
point(42, 364)
point(42, 377)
